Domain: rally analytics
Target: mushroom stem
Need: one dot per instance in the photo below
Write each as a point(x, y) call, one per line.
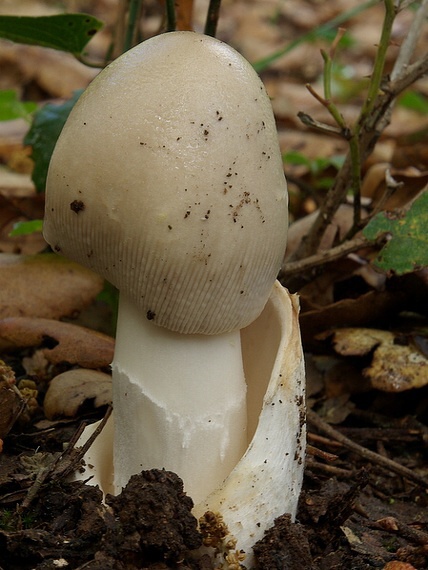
point(179, 401)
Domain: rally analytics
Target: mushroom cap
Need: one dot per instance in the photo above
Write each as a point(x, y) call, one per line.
point(167, 180)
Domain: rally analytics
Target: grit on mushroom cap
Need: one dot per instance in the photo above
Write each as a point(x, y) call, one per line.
point(167, 180)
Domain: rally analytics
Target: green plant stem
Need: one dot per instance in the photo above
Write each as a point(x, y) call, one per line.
point(362, 139)
point(379, 64)
point(367, 109)
point(354, 149)
point(212, 17)
point(132, 24)
point(328, 101)
point(171, 18)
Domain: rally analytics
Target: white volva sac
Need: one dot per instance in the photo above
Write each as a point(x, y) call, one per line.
point(167, 180)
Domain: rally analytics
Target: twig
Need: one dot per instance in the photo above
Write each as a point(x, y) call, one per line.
point(408, 47)
point(320, 439)
point(65, 463)
point(315, 452)
point(329, 469)
point(371, 456)
point(361, 144)
point(212, 17)
point(323, 257)
point(413, 72)
point(323, 127)
point(391, 524)
point(63, 468)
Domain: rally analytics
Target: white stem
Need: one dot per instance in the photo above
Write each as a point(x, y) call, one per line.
point(179, 403)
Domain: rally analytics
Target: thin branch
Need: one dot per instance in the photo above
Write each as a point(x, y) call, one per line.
point(308, 121)
point(65, 463)
point(367, 454)
point(212, 17)
point(373, 118)
point(323, 257)
point(413, 72)
point(408, 47)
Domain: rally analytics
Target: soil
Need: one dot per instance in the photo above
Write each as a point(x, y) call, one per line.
point(353, 513)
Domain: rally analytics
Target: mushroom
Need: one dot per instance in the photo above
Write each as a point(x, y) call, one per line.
point(167, 180)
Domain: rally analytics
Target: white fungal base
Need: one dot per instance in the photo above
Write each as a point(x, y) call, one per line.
point(266, 481)
point(179, 402)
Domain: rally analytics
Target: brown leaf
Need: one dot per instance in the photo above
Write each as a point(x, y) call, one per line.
point(45, 285)
point(57, 73)
point(394, 367)
point(68, 391)
point(11, 403)
point(19, 202)
point(61, 342)
point(349, 312)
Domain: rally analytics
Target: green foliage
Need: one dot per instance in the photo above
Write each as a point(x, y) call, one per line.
point(414, 101)
point(11, 521)
point(43, 134)
point(66, 32)
point(316, 166)
point(12, 108)
point(26, 228)
point(407, 250)
point(110, 296)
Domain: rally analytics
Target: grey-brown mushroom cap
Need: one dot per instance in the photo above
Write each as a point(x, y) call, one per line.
point(167, 180)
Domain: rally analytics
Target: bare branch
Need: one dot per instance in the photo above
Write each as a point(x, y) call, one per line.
point(323, 257)
point(408, 47)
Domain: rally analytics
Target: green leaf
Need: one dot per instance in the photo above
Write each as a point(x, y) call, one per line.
point(66, 32)
point(12, 108)
point(407, 250)
point(26, 228)
point(43, 134)
point(415, 102)
point(296, 158)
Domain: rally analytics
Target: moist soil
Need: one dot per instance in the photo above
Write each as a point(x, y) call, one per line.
point(353, 513)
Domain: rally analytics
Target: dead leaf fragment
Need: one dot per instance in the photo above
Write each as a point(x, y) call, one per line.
point(397, 565)
point(45, 285)
point(68, 391)
point(396, 366)
point(11, 402)
point(61, 342)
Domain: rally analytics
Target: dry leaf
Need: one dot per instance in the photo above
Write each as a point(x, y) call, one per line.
point(412, 181)
point(57, 73)
point(61, 342)
point(336, 231)
point(394, 367)
point(68, 391)
point(11, 403)
point(19, 202)
point(398, 565)
point(336, 410)
point(45, 285)
point(351, 312)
